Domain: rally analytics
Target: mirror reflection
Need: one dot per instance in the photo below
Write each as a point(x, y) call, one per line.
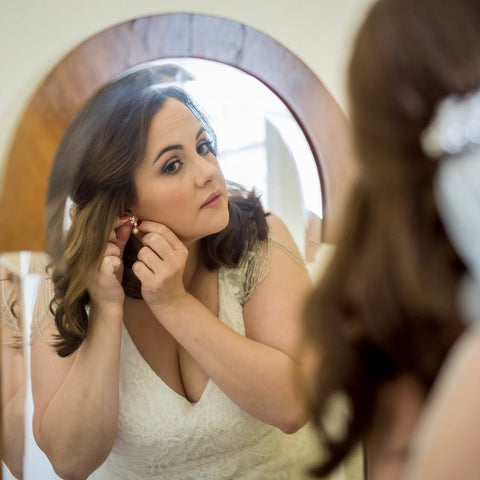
point(175, 296)
point(261, 147)
point(21, 274)
point(12, 366)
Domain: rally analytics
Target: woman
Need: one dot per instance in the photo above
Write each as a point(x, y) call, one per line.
point(448, 433)
point(174, 332)
point(386, 314)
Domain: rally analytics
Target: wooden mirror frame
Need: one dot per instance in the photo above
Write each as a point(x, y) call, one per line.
point(105, 55)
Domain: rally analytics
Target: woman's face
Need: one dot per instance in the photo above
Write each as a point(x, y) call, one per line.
point(179, 182)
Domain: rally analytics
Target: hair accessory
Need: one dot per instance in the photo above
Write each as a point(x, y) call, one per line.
point(457, 195)
point(454, 135)
point(134, 222)
point(455, 126)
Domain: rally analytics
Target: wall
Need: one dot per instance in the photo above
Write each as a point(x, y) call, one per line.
point(35, 34)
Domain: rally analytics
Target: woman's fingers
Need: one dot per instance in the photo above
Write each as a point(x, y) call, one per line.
point(143, 273)
point(147, 227)
point(159, 244)
point(159, 254)
point(112, 250)
point(105, 286)
point(150, 258)
point(110, 265)
point(160, 264)
point(120, 232)
point(123, 233)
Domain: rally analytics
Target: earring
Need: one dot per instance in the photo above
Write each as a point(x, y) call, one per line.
point(134, 222)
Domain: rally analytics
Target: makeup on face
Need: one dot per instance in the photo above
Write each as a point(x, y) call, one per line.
point(179, 182)
point(213, 200)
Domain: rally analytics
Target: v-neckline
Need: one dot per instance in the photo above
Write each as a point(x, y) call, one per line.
point(158, 378)
point(155, 375)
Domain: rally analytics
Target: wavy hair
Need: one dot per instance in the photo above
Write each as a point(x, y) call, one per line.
point(386, 305)
point(94, 167)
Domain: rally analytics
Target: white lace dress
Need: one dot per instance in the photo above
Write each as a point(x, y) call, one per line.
point(161, 435)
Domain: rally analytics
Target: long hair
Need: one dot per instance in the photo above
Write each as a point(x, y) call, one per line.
point(94, 168)
point(386, 305)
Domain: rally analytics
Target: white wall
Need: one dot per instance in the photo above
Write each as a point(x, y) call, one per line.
point(35, 34)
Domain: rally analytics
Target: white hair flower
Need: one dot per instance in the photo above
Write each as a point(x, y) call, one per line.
point(455, 126)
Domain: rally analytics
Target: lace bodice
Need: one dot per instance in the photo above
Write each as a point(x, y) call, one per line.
point(161, 435)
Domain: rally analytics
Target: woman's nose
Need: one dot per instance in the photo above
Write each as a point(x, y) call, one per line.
point(205, 170)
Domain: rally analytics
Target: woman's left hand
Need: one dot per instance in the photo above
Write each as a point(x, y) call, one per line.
point(160, 265)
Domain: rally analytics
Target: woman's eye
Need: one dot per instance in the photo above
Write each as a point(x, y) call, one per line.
point(172, 167)
point(204, 147)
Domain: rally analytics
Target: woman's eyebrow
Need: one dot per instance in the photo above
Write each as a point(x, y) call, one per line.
point(199, 132)
point(165, 150)
point(175, 147)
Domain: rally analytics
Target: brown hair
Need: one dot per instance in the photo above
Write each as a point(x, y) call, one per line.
point(94, 166)
point(386, 304)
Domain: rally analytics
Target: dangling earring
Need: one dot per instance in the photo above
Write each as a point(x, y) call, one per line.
point(134, 222)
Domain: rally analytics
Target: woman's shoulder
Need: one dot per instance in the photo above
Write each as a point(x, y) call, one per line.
point(250, 270)
point(255, 264)
point(281, 238)
point(277, 227)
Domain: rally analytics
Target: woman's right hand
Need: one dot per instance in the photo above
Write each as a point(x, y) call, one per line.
point(106, 289)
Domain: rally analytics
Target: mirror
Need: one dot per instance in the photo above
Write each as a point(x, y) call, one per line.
point(20, 273)
point(13, 364)
point(300, 122)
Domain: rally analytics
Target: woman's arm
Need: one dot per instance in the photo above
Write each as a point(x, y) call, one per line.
point(256, 371)
point(448, 434)
point(397, 409)
point(76, 398)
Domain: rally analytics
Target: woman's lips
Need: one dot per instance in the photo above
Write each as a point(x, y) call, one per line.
point(212, 200)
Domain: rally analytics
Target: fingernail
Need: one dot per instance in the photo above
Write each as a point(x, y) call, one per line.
point(139, 222)
point(124, 216)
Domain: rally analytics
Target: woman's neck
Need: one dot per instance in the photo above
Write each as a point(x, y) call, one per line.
point(194, 262)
